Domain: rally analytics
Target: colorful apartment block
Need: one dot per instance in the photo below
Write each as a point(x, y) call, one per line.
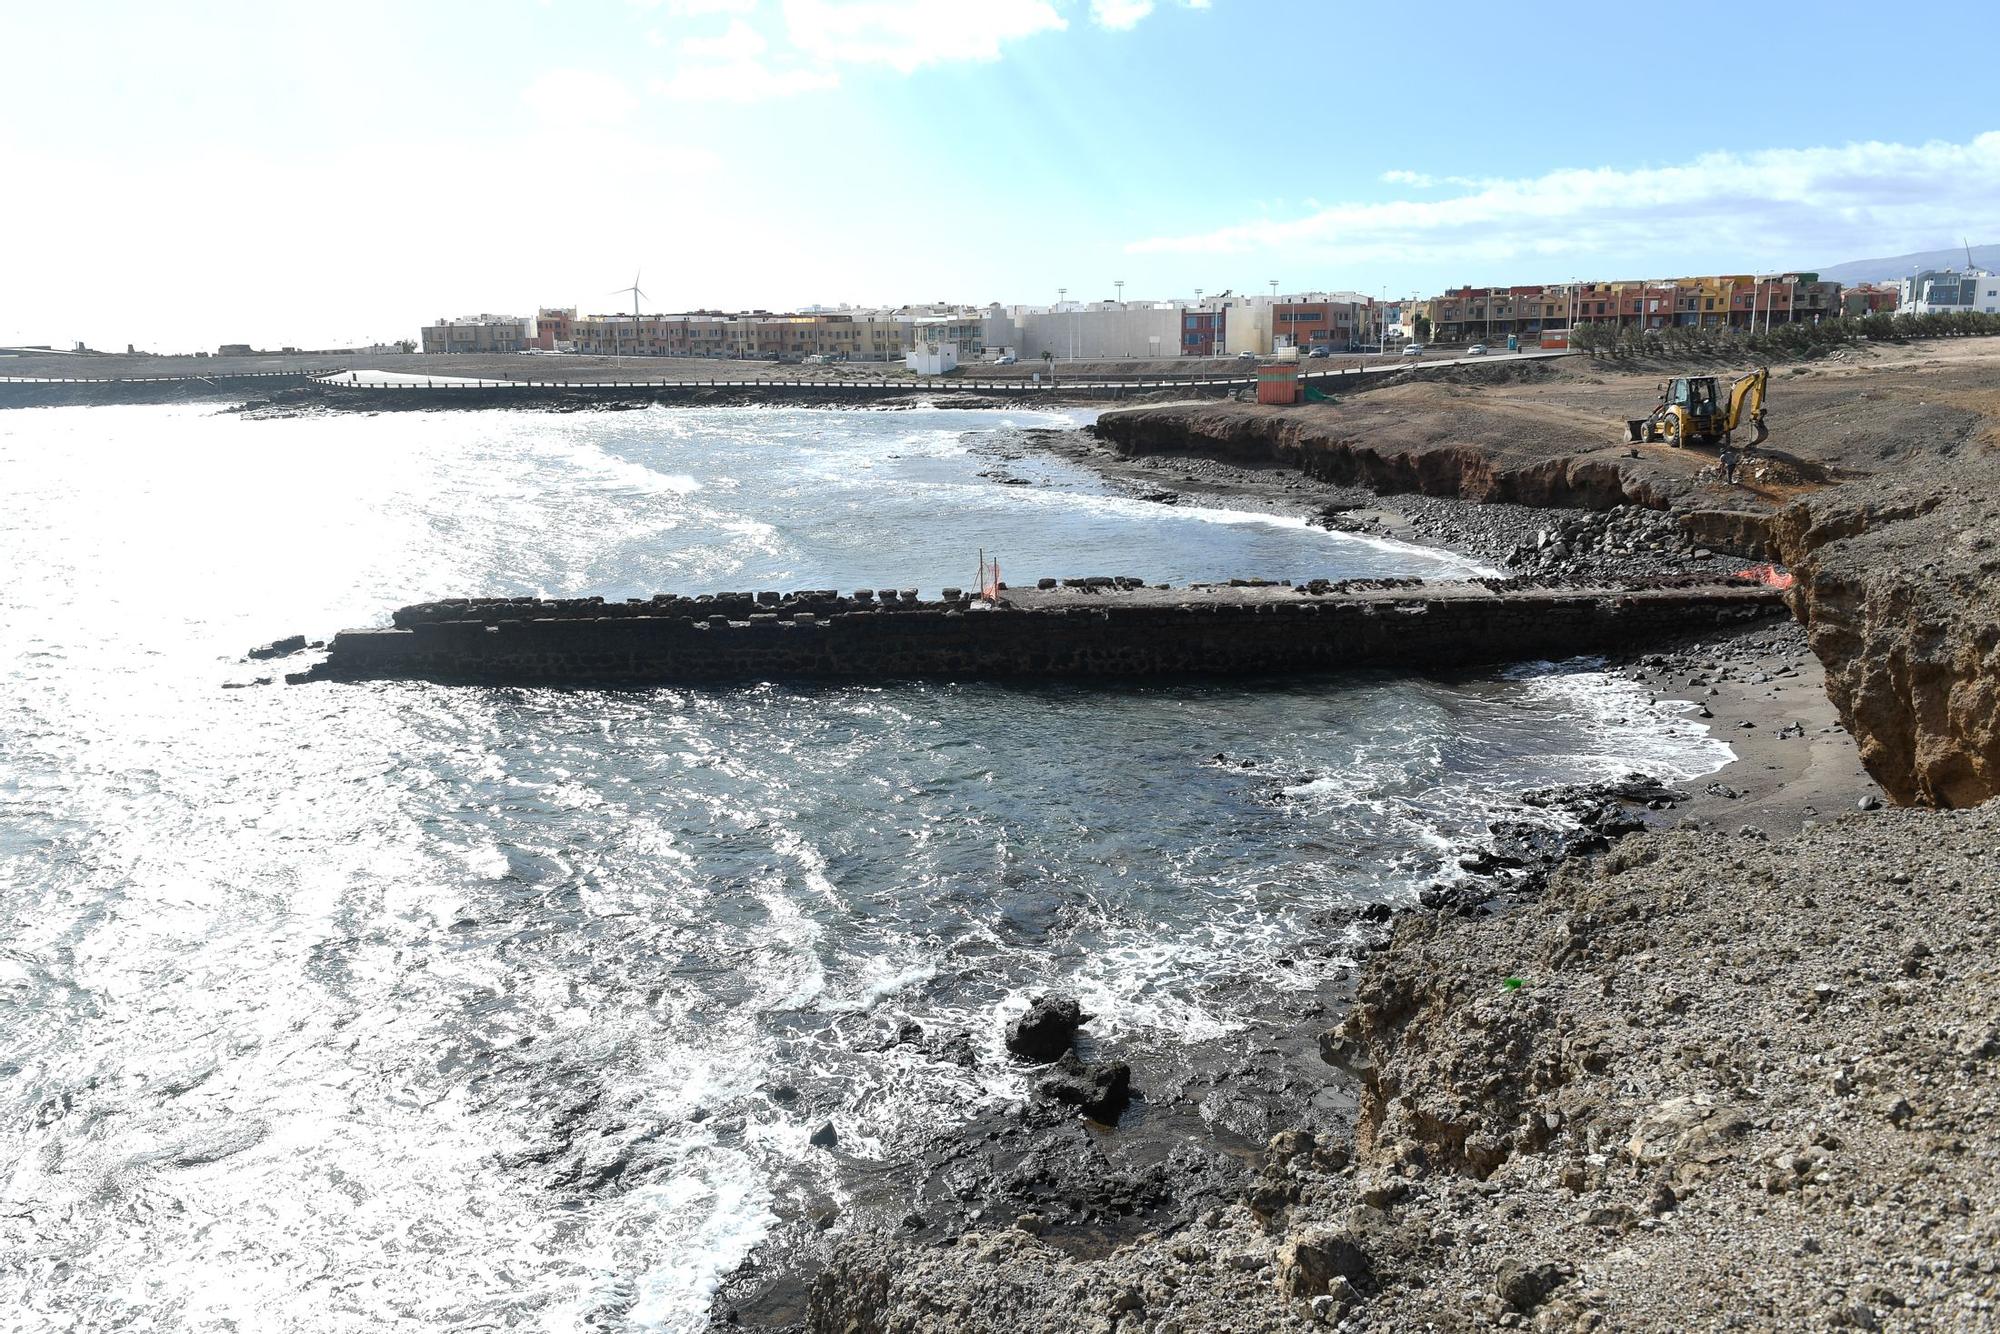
point(1337, 326)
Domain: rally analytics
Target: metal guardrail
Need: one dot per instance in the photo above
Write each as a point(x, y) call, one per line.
point(331, 378)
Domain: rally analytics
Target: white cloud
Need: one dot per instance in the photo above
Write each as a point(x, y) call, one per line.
point(742, 81)
point(1423, 180)
point(579, 97)
point(907, 35)
point(1119, 14)
point(740, 42)
point(1816, 204)
point(694, 9)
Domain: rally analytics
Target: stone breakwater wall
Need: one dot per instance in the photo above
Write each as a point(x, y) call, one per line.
point(1105, 628)
point(48, 392)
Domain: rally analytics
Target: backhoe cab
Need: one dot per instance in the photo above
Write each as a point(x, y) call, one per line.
point(1694, 411)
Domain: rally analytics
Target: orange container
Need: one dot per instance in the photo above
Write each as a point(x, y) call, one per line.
point(1278, 384)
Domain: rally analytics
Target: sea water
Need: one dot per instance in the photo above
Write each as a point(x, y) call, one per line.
point(359, 1007)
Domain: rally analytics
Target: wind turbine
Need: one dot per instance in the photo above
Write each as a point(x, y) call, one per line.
point(636, 294)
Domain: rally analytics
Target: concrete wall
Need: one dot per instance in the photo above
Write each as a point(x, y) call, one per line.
point(1101, 335)
point(999, 331)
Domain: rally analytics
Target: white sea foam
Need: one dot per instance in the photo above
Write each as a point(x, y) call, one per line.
point(1635, 730)
point(880, 981)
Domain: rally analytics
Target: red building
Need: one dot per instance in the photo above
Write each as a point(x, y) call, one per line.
point(1202, 333)
point(1334, 325)
point(553, 325)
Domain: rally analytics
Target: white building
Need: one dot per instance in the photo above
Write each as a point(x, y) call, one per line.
point(1246, 325)
point(932, 358)
point(1951, 291)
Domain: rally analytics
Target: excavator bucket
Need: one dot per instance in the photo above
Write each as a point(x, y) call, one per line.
point(1635, 431)
point(1763, 433)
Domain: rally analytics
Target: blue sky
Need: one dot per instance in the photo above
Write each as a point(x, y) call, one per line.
point(322, 173)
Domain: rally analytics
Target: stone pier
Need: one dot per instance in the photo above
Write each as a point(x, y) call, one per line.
point(1102, 627)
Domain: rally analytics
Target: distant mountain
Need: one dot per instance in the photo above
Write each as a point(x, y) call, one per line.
point(1899, 266)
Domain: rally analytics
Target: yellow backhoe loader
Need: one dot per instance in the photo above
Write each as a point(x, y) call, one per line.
point(1693, 412)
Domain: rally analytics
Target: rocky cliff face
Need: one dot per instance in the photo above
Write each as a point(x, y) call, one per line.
point(1898, 584)
point(1432, 461)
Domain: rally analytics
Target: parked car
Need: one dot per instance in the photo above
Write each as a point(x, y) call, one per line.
point(1414, 350)
point(1476, 350)
point(1317, 353)
point(1246, 356)
point(1007, 360)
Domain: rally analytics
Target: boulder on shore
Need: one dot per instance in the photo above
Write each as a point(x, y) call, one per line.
point(1046, 1030)
point(280, 648)
point(1102, 1091)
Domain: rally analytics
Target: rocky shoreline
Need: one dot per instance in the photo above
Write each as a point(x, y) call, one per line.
point(1759, 1046)
point(1566, 1110)
point(1050, 1182)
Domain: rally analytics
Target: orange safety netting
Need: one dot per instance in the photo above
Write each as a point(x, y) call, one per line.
point(1767, 574)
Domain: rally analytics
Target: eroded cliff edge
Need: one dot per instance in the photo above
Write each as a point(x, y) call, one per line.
point(1896, 565)
point(1898, 585)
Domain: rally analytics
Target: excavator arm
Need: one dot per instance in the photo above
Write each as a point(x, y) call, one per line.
point(1746, 401)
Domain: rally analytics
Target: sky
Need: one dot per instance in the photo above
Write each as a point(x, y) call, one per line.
point(323, 175)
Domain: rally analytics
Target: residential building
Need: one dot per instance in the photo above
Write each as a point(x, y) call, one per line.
point(965, 331)
point(1202, 332)
point(1319, 322)
point(553, 328)
point(1950, 291)
point(751, 336)
point(628, 335)
point(1870, 299)
point(478, 333)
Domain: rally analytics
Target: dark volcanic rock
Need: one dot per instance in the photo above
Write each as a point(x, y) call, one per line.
point(1045, 1031)
point(1101, 1090)
point(280, 648)
point(1526, 1286)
